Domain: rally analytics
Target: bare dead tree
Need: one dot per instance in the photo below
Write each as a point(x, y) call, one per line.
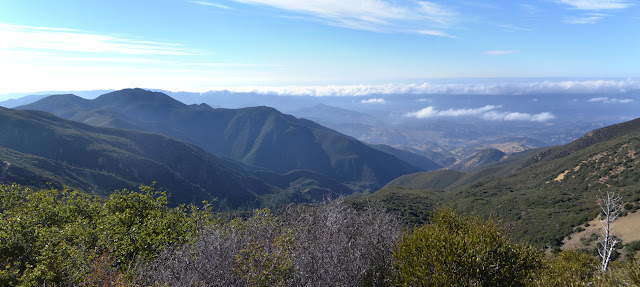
point(611, 206)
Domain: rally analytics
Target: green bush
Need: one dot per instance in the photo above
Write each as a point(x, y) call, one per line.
point(52, 237)
point(632, 248)
point(462, 251)
point(568, 268)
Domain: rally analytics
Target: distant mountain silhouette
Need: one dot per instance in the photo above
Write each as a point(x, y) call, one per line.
point(258, 136)
point(21, 101)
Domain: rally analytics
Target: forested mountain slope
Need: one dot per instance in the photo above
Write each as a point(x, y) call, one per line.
point(543, 193)
point(258, 136)
point(37, 147)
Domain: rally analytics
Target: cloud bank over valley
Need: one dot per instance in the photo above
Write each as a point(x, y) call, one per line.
point(484, 87)
point(488, 112)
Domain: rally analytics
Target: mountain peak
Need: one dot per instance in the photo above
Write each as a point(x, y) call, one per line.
point(63, 97)
point(57, 102)
point(137, 96)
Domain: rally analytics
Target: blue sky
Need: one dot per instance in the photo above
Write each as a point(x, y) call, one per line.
point(316, 46)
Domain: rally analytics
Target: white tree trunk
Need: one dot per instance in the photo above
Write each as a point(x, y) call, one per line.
point(611, 206)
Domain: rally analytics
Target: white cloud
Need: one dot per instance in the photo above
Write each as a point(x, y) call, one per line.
point(435, 33)
point(514, 28)
point(431, 112)
point(487, 113)
point(206, 3)
point(500, 52)
point(596, 4)
point(513, 116)
point(607, 100)
point(485, 88)
point(57, 39)
point(372, 15)
point(373, 101)
point(588, 19)
point(48, 58)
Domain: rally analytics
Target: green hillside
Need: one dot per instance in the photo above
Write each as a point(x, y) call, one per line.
point(258, 136)
point(38, 147)
point(479, 159)
point(541, 194)
point(412, 205)
point(440, 179)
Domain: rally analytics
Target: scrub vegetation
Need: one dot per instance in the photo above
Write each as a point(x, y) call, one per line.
point(69, 238)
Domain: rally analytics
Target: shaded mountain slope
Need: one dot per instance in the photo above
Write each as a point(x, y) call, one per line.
point(437, 157)
point(73, 153)
point(329, 114)
point(414, 159)
point(305, 185)
point(257, 136)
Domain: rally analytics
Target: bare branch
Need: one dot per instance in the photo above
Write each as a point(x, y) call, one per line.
point(611, 206)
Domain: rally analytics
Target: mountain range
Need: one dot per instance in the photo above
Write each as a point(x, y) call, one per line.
point(37, 147)
point(257, 156)
point(256, 136)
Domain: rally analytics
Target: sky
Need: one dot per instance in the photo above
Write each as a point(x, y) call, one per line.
point(320, 47)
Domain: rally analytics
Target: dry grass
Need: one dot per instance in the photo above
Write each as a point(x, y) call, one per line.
point(626, 228)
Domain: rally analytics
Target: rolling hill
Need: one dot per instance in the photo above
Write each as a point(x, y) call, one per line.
point(258, 136)
point(37, 148)
point(478, 159)
point(541, 194)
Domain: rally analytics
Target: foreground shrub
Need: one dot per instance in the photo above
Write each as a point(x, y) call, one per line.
point(52, 237)
point(453, 250)
point(326, 245)
point(568, 268)
point(626, 273)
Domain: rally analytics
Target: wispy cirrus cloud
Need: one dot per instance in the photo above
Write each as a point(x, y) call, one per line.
point(435, 33)
point(500, 52)
point(51, 58)
point(597, 4)
point(211, 4)
point(607, 100)
point(487, 113)
point(509, 27)
point(587, 19)
point(58, 39)
point(371, 15)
